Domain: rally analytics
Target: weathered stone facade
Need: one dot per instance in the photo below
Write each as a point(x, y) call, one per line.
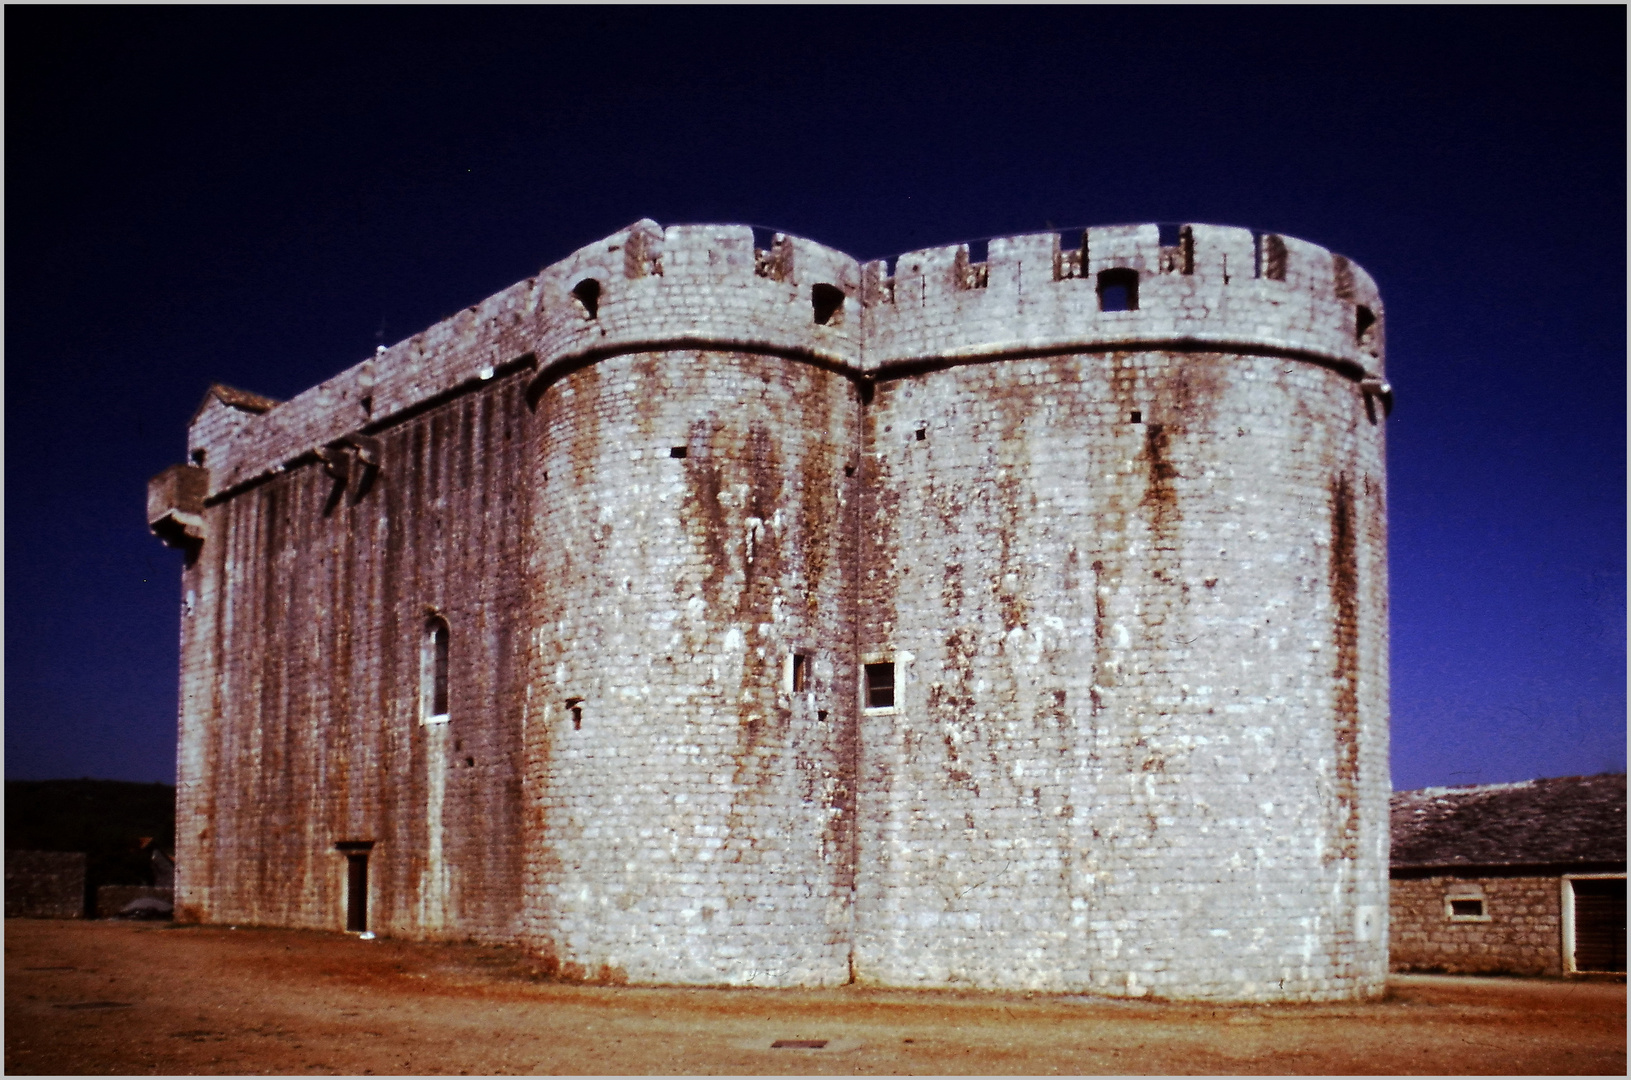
point(1016, 621)
point(1518, 930)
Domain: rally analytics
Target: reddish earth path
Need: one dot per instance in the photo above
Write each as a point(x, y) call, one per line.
point(109, 997)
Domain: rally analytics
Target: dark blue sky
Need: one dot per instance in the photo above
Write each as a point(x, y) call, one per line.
point(258, 196)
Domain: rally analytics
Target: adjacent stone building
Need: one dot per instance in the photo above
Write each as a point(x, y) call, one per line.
point(712, 608)
point(1524, 879)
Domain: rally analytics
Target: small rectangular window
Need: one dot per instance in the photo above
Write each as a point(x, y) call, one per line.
point(1465, 909)
point(1118, 289)
point(880, 685)
point(801, 673)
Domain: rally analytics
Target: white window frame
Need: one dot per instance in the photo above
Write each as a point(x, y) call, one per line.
point(894, 660)
point(427, 670)
point(1466, 894)
point(789, 663)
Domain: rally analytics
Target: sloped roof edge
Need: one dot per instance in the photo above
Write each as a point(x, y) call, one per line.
point(1557, 820)
point(237, 399)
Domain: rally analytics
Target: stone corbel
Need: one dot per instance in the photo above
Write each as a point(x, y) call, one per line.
point(175, 506)
point(355, 456)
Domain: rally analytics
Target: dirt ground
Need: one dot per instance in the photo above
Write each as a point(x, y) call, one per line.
point(112, 997)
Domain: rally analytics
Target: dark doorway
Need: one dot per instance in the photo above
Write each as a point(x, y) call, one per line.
point(1599, 924)
point(356, 883)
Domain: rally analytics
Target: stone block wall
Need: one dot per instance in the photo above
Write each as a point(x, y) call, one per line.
point(303, 637)
point(1126, 568)
point(693, 533)
point(1122, 593)
point(1520, 933)
point(45, 884)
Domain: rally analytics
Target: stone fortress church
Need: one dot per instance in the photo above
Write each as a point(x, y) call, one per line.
point(712, 608)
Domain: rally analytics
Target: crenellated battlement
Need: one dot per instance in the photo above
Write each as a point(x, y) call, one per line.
point(1123, 287)
point(717, 287)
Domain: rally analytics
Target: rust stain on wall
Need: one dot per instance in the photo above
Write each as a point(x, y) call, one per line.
point(1344, 585)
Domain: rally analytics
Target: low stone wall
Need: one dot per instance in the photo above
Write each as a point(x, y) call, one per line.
point(111, 899)
point(1520, 931)
point(45, 884)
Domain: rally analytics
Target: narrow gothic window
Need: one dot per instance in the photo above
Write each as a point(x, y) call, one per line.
point(433, 671)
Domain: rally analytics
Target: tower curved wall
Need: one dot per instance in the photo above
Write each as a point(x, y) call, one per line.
point(1132, 572)
point(693, 532)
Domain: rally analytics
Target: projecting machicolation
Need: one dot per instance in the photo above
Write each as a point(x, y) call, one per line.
point(716, 609)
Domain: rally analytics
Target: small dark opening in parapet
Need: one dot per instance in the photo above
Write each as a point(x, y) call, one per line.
point(978, 250)
point(1271, 257)
point(889, 265)
point(880, 685)
point(198, 457)
point(574, 705)
point(922, 433)
point(1171, 233)
point(826, 301)
point(676, 451)
point(1364, 323)
point(763, 239)
point(1071, 261)
point(1118, 289)
point(1136, 418)
point(587, 292)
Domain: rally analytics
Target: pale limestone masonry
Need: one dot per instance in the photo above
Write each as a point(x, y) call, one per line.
point(667, 501)
point(1520, 932)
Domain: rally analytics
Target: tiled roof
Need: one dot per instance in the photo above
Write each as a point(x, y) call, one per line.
point(1565, 819)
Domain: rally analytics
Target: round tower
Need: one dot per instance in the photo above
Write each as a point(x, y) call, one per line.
point(690, 726)
point(1123, 565)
